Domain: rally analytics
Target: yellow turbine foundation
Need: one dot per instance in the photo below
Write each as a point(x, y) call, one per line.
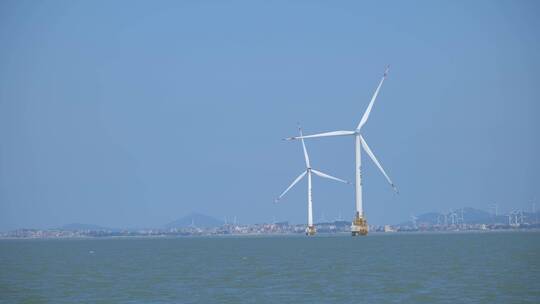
point(359, 226)
point(310, 230)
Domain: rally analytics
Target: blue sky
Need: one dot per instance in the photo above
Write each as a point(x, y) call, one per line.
point(135, 113)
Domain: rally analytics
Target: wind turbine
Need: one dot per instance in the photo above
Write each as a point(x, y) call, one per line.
point(453, 217)
point(521, 217)
point(413, 220)
point(310, 230)
point(359, 225)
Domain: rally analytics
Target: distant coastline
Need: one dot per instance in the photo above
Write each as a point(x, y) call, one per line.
point(195, 224)
point(325, 229)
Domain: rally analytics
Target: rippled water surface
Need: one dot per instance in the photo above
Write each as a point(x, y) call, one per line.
point(384, 268)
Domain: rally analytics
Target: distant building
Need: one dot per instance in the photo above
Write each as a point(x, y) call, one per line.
point(388, 228)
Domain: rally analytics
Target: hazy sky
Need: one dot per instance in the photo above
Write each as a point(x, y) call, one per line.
point(135, 113)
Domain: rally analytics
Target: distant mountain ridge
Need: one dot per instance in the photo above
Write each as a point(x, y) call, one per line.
point(195, 220)
point(191, 220)
point(79, 226)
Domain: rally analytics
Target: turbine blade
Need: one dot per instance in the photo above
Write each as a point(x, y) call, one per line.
point(306, 156)
point(368, 110)
point(326, 134)
point(374, 159)
point(321, 174)
point(292, 185)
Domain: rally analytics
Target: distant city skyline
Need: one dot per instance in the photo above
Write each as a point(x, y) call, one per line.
point(134, 114)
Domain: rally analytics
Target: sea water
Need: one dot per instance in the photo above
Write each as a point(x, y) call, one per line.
point(487, 267)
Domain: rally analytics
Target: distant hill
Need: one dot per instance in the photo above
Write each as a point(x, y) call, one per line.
point(476, 216)
point(78, 227)
point(196, 220)
point(428, 218)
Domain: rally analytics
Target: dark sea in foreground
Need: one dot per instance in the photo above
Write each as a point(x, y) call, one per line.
point(381, 268)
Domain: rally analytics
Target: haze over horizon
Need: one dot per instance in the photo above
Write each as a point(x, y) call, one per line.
point(134, 114)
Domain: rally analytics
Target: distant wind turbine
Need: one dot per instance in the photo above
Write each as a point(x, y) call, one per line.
point(310, 230)
point(413, 220)
point(359, 225)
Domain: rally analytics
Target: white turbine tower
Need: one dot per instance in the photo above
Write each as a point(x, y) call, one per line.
point(310, 230)
point(413, 220)
point(359, 225)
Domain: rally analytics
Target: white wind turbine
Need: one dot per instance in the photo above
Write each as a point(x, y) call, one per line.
point(310, 230)
point(359, 225)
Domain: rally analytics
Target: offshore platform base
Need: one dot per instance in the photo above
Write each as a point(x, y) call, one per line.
point(310, 230)
point(359, 225)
